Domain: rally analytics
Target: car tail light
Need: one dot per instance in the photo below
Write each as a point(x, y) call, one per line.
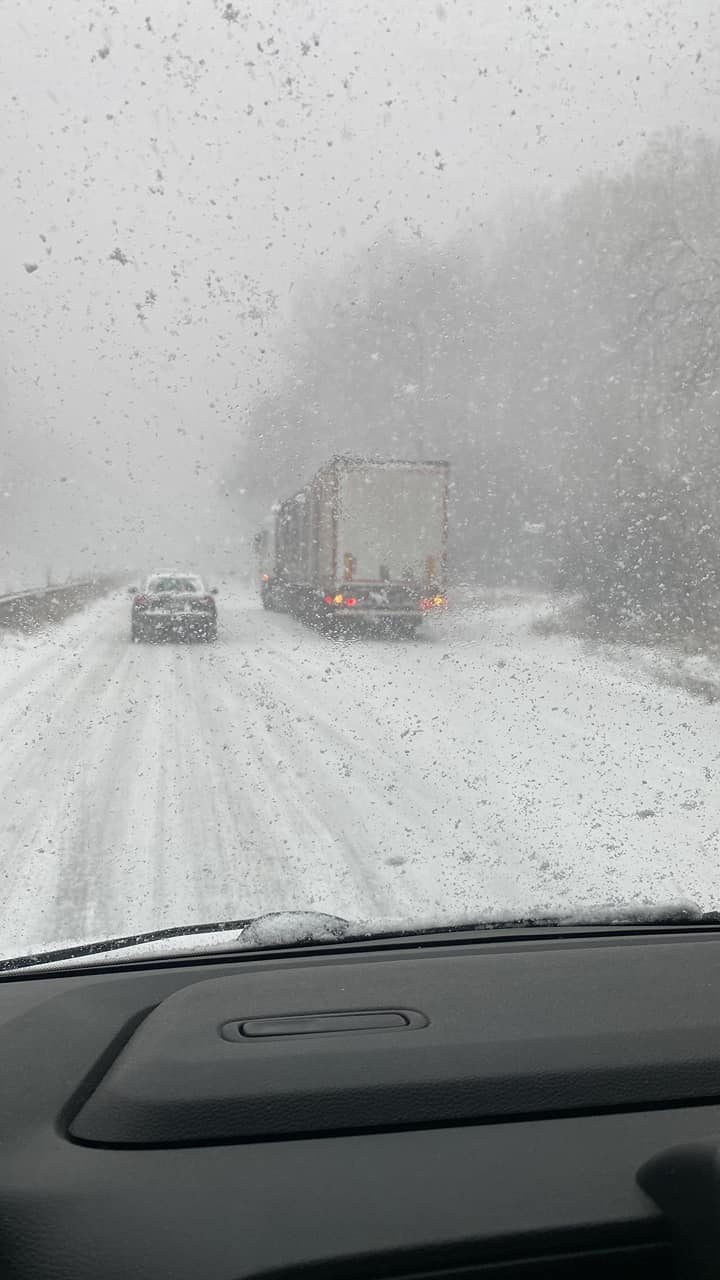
point(209, 600)
point(351, 601)
point(141, 602)
point(328, 599)
point(266, 577)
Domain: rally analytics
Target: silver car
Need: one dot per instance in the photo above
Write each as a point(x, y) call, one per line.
point(173, 606)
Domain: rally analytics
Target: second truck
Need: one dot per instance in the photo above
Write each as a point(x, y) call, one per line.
point(363, 540)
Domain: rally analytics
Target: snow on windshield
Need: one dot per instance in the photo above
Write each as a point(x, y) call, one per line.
point(384, 338)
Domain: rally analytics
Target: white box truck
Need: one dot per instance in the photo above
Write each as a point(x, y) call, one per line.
point(362, 540)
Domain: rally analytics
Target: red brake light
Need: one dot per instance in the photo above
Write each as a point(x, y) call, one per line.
point(141, 602)
point(351, 601)
point(328, 599)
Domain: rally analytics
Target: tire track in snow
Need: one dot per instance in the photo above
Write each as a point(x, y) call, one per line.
point(385, 816)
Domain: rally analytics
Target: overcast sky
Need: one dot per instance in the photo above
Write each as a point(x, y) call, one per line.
point(172, 168)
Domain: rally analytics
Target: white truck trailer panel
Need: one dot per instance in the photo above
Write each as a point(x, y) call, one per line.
point(392, 523)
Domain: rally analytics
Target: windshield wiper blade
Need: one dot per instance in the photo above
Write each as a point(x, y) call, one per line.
point(621, 917)
point(275, 928)
point(616, 918)
point(663, 914)
point(58, 954)
point(298, 928)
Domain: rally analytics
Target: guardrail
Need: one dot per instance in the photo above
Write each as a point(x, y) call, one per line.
point(46, 606)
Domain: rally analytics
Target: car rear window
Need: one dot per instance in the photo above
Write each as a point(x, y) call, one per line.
point(157, 585)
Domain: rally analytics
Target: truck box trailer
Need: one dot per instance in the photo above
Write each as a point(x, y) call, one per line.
point(364, 540)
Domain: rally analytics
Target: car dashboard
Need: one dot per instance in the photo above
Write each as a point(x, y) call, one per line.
point(503, 1104)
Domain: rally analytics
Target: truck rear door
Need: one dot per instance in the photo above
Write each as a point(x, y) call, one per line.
point(392, 524)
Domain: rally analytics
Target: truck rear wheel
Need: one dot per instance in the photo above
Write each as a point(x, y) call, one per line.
point(404, 630)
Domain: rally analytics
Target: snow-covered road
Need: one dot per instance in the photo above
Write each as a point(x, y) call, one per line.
point(479, 768)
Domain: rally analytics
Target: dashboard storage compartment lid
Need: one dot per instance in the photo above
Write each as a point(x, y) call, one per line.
point(323, 1048)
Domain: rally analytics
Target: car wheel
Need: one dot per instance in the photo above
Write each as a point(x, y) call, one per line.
point(136, 635)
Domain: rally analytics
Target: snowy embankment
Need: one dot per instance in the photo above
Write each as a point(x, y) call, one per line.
point(691, 662)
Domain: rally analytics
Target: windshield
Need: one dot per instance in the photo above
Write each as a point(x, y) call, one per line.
point(398, 325)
